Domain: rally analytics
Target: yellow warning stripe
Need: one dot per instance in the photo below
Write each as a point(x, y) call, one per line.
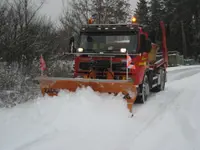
point(142, 64)
point(144, 58)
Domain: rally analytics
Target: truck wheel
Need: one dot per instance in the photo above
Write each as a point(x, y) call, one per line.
point(163, 80)
point(161, 87)
point(144, 90)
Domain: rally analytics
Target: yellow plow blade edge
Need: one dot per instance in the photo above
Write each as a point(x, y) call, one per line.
point(52, 85)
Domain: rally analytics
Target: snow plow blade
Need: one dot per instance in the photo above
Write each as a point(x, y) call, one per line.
point(52, 85)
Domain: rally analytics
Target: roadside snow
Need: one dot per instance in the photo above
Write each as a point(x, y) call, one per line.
point(177, 126)
point(87, 120)
point(182, 67)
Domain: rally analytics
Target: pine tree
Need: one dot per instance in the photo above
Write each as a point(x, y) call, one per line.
point(142, 12)
point(181, 16)
point(157, 11)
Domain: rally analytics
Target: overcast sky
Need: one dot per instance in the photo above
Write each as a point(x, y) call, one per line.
point(53, 8)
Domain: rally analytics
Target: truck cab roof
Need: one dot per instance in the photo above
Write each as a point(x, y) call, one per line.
point(110, 28)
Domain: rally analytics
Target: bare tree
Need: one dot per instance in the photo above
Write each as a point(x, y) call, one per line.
point(23, 32)
point(106, 11)
point(111, 11)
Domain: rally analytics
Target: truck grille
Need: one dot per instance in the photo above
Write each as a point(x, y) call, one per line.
point(85, 65)
point(101, 65)
point(119, 67)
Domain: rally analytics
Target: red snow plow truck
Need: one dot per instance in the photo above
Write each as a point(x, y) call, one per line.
point(116, 58)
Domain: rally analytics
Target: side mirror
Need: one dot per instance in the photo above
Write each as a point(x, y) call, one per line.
point(145, 45)
point(71, 45)
point(148, 46)
point(142, 43)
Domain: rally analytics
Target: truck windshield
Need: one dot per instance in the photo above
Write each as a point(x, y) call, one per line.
point(108, 43)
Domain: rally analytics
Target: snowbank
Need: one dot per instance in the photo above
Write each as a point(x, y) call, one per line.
point(182, 67)
point(16, 85)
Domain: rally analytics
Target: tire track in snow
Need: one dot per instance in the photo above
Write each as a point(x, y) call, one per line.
point(183, 119)
point(162, 108)
point(24, 146)
point(166, 105)
point(178, 112)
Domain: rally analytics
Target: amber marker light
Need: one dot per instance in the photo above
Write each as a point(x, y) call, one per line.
point(134, 19)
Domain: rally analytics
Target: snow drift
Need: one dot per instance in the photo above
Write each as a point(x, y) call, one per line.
point(83, 117)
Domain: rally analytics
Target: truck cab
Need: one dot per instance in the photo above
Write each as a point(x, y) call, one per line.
point(111, 41)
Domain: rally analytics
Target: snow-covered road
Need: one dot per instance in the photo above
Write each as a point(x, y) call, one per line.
point(85, 120)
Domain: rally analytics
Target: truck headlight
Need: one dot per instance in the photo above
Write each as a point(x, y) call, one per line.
point(80, 50)
point(123, 50)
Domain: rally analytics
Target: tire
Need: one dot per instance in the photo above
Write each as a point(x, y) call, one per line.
point(144, 89)
point(161, 87)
